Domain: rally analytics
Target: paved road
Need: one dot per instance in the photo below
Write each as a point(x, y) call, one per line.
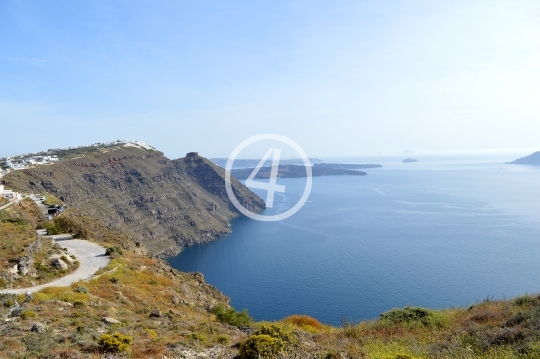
point(6, 205)
point(91, 257)
point(10, 203)
point(20, 199)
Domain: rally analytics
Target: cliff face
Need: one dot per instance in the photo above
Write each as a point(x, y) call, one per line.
point(163, 204)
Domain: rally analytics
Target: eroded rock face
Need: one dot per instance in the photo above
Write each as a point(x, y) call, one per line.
point(25, 265)
point(13, 269)
point(59, 264)
point(38, 328)
point(164, 205)
point(109, 320)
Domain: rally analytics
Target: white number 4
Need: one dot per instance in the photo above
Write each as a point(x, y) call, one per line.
point(271, 186)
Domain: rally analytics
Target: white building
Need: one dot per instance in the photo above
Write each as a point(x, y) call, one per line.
point(9, 194)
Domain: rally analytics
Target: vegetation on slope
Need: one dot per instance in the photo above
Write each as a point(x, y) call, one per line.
point(27, 259)
point(160, 203)
point(136, 305)
point(139, 307)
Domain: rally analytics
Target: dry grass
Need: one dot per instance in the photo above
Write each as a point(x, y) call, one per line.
point(133, 285)
point(17, 231)
point(304, 322)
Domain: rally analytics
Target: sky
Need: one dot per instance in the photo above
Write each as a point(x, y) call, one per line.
point(340, 78)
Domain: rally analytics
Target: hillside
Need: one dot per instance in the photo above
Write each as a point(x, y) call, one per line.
point(162, 204)
point(140, 307)
point(26, 259)
point(533, 159)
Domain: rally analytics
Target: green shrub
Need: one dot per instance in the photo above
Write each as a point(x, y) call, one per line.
point(3, 283)
point(66, 224)
point(260, 346)
point(223, 339)
point(523, 301)
point(26, 314)
point(114, 251)
point(51, 200)
point(42, 268)
point(285, 336)
point(115, 342)
point(80, 289)
point(196, 336)
point(17, 221)
point(267, 342)
point(9, 303)
point(533, 351)
point(413, 316)
point(231, 316)
point(51, 228)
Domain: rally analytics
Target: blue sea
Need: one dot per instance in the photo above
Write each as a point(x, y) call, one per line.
point(439, 233)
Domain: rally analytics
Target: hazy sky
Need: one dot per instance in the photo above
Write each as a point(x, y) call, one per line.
point(338, 77)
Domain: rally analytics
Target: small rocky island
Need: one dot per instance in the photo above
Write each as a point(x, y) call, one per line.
point(409, 160)
point(294, 171)
point(533, 159)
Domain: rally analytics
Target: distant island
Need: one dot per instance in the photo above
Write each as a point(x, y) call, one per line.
point(346, 166)
point(294, 171)
point(252, 162)
point(409, 160)
point(533, 159)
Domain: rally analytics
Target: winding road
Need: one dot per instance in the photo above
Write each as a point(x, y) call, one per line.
point(91, 257)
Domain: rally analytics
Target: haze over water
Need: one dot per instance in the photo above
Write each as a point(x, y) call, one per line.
point(438, 233)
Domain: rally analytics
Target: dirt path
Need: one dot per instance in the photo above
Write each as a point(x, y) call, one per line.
point(91, 257)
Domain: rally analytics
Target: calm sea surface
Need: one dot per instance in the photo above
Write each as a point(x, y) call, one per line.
point(437, 233)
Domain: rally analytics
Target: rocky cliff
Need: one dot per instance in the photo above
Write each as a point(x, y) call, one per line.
point(160, 203)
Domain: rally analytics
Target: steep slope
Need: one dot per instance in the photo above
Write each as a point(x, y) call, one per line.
point(160, 203)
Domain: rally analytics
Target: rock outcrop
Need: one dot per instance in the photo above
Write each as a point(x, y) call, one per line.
point(38, 328)
point(59, 264)
point(162, 204)
point(25, 265)
point(110, 321)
